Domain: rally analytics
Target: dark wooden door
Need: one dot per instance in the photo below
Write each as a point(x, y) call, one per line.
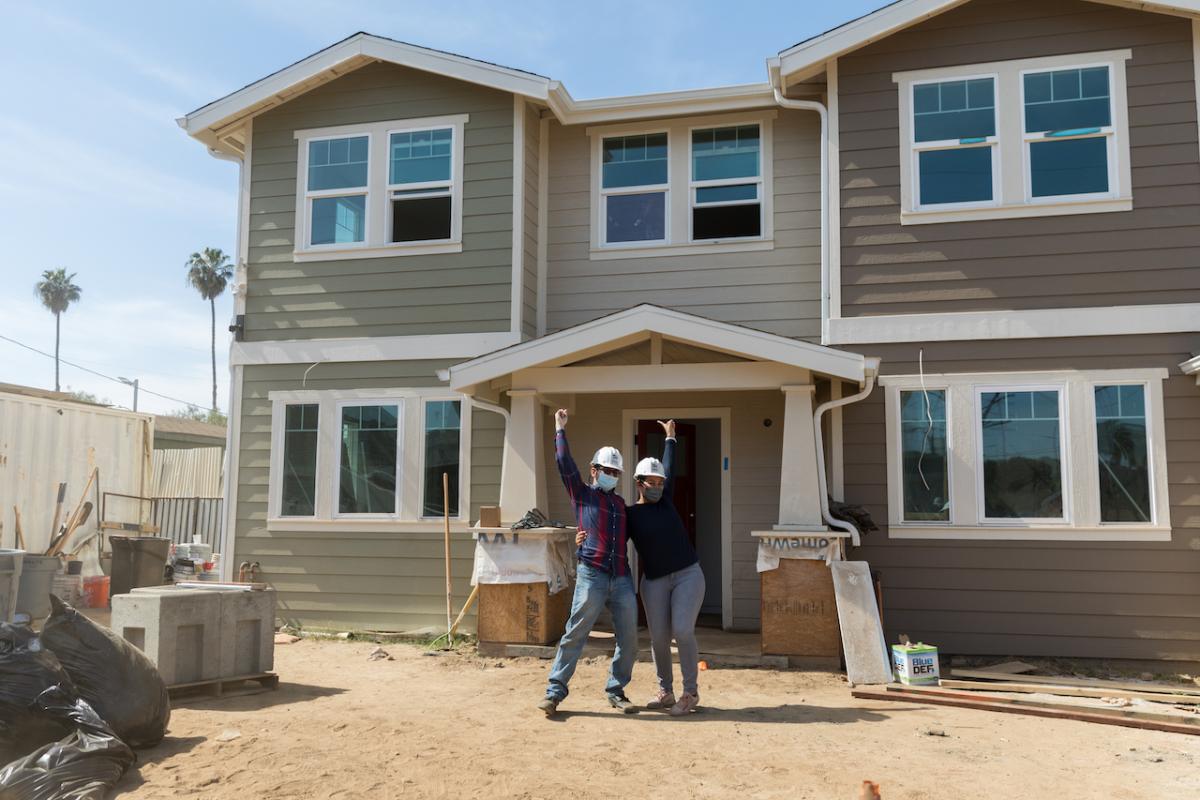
point(650, 442)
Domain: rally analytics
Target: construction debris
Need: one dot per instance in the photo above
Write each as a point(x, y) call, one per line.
point(379, 654)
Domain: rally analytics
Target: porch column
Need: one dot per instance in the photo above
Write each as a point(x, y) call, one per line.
point(799, 492)
point(523, 484)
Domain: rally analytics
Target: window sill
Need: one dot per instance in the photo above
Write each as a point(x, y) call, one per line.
point(344, 254)
point(1040, 533)
point(933, 216)
point(695, 249)
point(304, 525)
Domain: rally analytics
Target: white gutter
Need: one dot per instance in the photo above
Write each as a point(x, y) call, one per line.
point(872, 369)
point(823, 113)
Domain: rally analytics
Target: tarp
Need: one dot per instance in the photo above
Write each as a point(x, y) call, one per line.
point(773, 548)
point(525, 557)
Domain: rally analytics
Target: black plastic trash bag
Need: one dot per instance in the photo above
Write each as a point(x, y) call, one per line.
point(113, 675)
point(83, 765)
point(27, 669)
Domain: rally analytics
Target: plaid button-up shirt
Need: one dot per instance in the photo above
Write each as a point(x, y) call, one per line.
point(601, 515)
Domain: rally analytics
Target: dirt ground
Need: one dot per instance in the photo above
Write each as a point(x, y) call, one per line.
point(456, 725)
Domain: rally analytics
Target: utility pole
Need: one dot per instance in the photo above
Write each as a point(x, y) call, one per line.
point(134, 384)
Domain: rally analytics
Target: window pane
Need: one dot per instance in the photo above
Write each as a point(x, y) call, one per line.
point(367, 484)
point(726, 222)
point(1067, 99)
point(443, 427)
point(420, 156)
point(337, 163)
point(339, 219)
point(636, 217)
point(719, 153)
point(956, 176)
point(1072, 166)
point(1022, 459)
point(954, 110)
point(634, 161)
point(420, 218)
point(727, 194)
point(926, 476)
point(299, 461)
point(1124, 458)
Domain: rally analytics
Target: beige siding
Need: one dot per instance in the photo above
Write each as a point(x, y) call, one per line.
point(776, 290)
point(449, 293)
point(530, 221)
point(1091, 599)
point(349, 579)
point(1148, 255)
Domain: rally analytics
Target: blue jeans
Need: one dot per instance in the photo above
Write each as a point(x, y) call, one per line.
point(595, 589)
point(672, 604)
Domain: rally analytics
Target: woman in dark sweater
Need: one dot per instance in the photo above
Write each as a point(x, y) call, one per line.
point(673, 584)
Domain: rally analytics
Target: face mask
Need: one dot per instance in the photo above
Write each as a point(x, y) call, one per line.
point(606, 482)
point(652, 493)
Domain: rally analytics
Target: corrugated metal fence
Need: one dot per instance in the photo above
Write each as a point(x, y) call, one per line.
point(182, 518)
point(188, 473)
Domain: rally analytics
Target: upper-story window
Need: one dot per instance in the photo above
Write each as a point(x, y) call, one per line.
point(387, 188)
point(1030, 137)
point(682, 186)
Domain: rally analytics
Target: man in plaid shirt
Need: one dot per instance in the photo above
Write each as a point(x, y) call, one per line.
point(602, 577)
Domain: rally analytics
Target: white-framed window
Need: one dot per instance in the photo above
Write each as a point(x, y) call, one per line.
point(1028, 137)
point(1034, 456)
point(386, 188)
point(695, 185)
point(363, 458)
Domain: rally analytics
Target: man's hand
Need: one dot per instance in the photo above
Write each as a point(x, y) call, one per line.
point(580, 538)
point(668, 427)
point(560, 419)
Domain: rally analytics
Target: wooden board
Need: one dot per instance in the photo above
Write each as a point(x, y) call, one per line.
point(799, 610)
point(1068, 691)
point(1012, 667)
point(223, 687)
point(522, 613)
point(867, 659)
point(983, 705)
point(1114, 711)
point(1160, 688)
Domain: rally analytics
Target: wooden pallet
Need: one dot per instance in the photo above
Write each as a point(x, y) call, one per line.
point(226, 687)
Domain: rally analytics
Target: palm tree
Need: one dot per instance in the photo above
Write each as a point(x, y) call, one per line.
point(209, 272)
point(57, 292)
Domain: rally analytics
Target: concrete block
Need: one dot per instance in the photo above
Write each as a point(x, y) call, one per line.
point(178, 629)
point(247, 632)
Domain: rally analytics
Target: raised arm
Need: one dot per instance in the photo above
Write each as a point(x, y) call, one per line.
point(669, 458)
point(567, 470)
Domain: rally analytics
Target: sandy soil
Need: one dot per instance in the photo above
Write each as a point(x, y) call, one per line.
point(455, 725)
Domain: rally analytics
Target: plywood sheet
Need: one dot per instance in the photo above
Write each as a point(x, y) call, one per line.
point(799, 611)
point(858, 616)
point(522, 613)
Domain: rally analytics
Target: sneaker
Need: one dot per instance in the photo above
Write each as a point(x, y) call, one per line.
point(663, 699)
point(687, 703)
point(622, 704)
point(548, 706)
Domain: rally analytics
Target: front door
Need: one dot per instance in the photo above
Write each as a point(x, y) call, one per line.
point(650, 443)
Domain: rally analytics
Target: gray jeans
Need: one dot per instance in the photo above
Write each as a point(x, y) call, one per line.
point(672, 604)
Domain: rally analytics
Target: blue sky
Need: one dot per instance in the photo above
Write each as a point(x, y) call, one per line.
point(96, 176)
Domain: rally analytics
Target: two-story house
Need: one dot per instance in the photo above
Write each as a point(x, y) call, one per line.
point(942, 263)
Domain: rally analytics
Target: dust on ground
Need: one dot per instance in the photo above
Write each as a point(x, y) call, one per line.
point(455, 725)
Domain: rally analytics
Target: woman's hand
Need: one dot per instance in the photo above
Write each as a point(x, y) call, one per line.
point(580, 538)
point(668, 427)
point(560, 419)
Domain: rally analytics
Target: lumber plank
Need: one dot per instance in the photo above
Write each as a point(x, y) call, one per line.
point(1102, 719)
point(1012, 667)
point(1160, 688)
point(1026, 702)
point(1068, 691)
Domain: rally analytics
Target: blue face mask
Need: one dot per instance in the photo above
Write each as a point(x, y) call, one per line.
point(606, 482)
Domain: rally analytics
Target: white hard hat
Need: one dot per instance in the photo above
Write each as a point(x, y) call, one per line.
point(608, 457)
point(649, 466)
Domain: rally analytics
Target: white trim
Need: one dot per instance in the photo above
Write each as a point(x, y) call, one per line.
point(1196, 58)
point(543, 239)
point(1081, 519)
point(615, 252)
point(518, 215)
point(370, 348)
point(1043, 323)
point(232, 466)
point(638, 322)
point(658, 104)
point(629, 418)
point(833, 271)
point(740, 376)
point(243, 227)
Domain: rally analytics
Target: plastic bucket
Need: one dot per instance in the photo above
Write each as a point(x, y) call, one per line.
point(37, 577)
point(10, 581)
point(95, 591)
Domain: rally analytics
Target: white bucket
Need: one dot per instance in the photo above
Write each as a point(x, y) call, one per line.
point(37, 579)
point(10, 581)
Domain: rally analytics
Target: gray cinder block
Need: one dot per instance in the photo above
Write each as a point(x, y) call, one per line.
point(178, 629)
point(247, 632)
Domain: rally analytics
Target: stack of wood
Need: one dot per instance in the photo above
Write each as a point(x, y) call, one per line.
point(1003, 688)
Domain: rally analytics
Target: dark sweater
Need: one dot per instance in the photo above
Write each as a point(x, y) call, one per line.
point(657, 530)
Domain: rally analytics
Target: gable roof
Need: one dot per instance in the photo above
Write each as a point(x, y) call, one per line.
point(625, 327)
point(811, 54)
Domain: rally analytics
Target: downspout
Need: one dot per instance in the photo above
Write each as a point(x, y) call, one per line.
point(503, 412)
point(872, 369)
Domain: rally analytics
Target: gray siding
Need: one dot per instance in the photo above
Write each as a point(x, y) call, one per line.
point(353, 579)
point(448, 293)
point(1091, 599)
point(776, 290)
point(1147, 255)
point(532, 234)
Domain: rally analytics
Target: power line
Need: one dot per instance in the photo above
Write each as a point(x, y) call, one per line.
point(100, 374)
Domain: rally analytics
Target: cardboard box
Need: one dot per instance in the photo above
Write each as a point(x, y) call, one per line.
point(916, 664)
point(489, 516)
